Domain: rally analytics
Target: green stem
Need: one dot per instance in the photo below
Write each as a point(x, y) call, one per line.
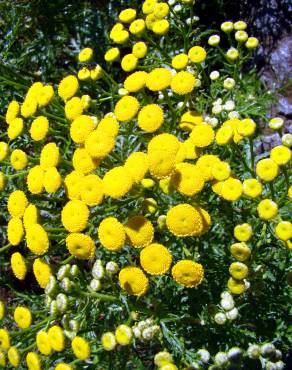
point(272, 190)
point(102, 297)
point(173, 113)
point(252, 157)
point(67, 260)
point(3, 249)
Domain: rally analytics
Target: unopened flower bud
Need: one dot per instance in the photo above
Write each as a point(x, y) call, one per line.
point(234, 354)
point(229, 105)
point(98, 270)
point(74, 271)
point(64, 271)
point(276, 123)
point(147, 183)
point(287, 140)
point(204, 355)
point(112, 267)
point(254, 351)
point(214, 75)
point(95, 285)
point(66, 285)
point(53, 308)
point(227, 304)
point(62, 302)
point(232, 314)
point(149, 205)
point(268, 350)
point(221, 358)
point(52, 286)
point(220, 318)
point(214, 40)
point(227, 26)
point(147, 334)
point(229, 83)
point(123, 92)
point(74, 325)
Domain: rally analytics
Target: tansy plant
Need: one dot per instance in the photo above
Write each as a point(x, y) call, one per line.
point(144, 228)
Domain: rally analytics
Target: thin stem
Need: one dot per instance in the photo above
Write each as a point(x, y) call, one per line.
point(3, 249)
point(252, 157)
point(102, 297)
point(271, 186)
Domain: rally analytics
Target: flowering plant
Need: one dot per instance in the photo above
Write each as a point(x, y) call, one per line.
point(144, 228)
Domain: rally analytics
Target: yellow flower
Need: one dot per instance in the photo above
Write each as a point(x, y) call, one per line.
point(126, 108)
point(18, 266)
point(80, 128)
point(129, 62)
point(13, 356)
point(238, 270)
point(202, 135)
point(95, 74)
point(123, 335)
point(2, 181)
point(30, 216)
point(133, 280)
point(137, 27)
point(232, 123)
point(150, 20)
point(281, 155)
point(52, 180)
point(197, 54)
point(99, 144)
point(34, 90)
point(246, 127)
point(137, 165)
point(68, 87)
point(147, 183)
point(43, 343)
point(39, 128)
point(45, 95)
point(2, 358)
point(206, 219)
point(111, 234)
point(183, 83)
point(81, 348)
point(189, 120)
point(127, 15)
point(29, 107)
point(227, 26)
point(184, 220)
point(284, 230)
point(17, 203)
point(83, 162)
point(188, 273)
point(15, 231)
point(139, 50)
point(85, 55)
point(12, 111)
point(240, 25)
point(187, 179)
point(72, 181)
point(161, 10)
point(243, 232)
point(108, 341)
point(221, 171)
point(180, 61)
point(42, 272)
point(63, 366)
point(161, 162)
point(276, 123)
point(3, 150)
point(160, 27)
point(18, 159)
point(267, 169)
point(91, 190)
point(158, 79)
point(139, 231)
point(236, 286)
point(267, 209)
point(150, 118)
point(15, 128)
point(155, 259)
point(240, 251)
point(136, 81)
point(232, 54)
point(49, 156)
point(231, 189)
point(22, 317)
point(33, 361)
point(75, 216)
point(81, 246)
point(4, 339)
point(252, 188)
point(2, 310)
point(37, 239)
point(224, 135)
point(148, 6)
point(73, 108)
point(35, 179)
point(241, 36)
point(56, 338)
point(112, 55)
point(117, 182)
point(109, 126)
point(169, 366)
point(162, 358)
point(252, 43)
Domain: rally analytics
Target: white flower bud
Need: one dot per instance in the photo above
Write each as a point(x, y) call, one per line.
point(155, 329)
point(276, 123)
point(234, 354)
point(229, 105)
point(280, 365)
point(278, 354)
point(51, 287)
point(268, 349)
point(214, 75)
point(194, 366)
point(142, 325)
point(180, 105)
point(271, 366)
point(74, 271)
point(204, 355)
point(229, 83)
point(69, 334)
point(123, 92)
point(137, 332)
point(233, 115)
point(95, 285)
point(232, 314)
point(254, 351)
point(198, 82)
point(53, 308)
point(287, 140)
point(74, 325)
point(62, 302)
point(217, 109)
point(177, 8)
point(196, 18)
point(221, 358)
point(226, 295)
point(48, 301)
point(66, 285)
point(214, 40)
point(98, 270)
point(220, 318)
point(213, 121)
point(246, 284)
point(189, 21)
point(148, 322)
point(171, 2)
point(63, 272)
point(227, 304)
point(147, 334)
point(112, 267)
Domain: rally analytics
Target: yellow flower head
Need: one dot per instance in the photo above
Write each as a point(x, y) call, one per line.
point(117, 182)
point(252, 188)
point(72, 181)
point(243, 232)
point(39, 128)
point(42, 272)
point(155, 259)
point(150, 118)
point(136, 81)
point(133, 281)
point(206, 163)
point(123, 335)
point(83, 162)
point(35, 180)
point(17, 203)
point(30, 216)
point(139, 50)
point(80, 128)
point(183, 83)
point(221, 171)
point(33, 361)
point(29, 107)
point(56, 338)
point(15, 231)
point(13, 356)
point(267, 169)
point(127, 15)
point(109, 125)
point(37, 239)
point(148, 6)
point(73, 108)
point(284, 230)
point(81, 246)
point(2, 358)
point(99, 144)
point(49, 156)
point(137, 27)
point(45, 95)
point(197, 54)
point(224, 135)
point(52, 180)
point(4, 339)
point(180, 61)
point(164, 142)
point(162, 358)
point(111, 234)
point(91, 190)
point(240, 251)
point(3, 150)
point(108, 341)
point(236, 286)
point(63, 366)
point(281, 155)
point(188, 273)
point(15, 128)
point(202, 135)
point(43, 343)
point(68, 87)
point(267, 209)
point(137, 165)
point(81, 348)
point(160, 27)
point(126, 108)
point(75, 216)
point(184, 220)
point(252, 43)
point(112, 55)
point(2, 181)
point(85, 55)
point(18, 159)
point(161, 10)
point(158, 79)
point(238, 270)
point(139, 231)
point(246, 127)
point(2, 310)
point(22, 317)
point(129, 62)
point(187, 179)
point(231, 189)
point(12, 111)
